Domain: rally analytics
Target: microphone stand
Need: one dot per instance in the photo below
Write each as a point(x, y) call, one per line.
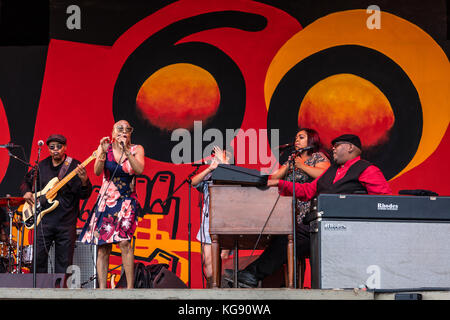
point(294, 206)
point(10, 249)
point(36, 168)
point(19, 254)
point(294, 220)
point(189, 181)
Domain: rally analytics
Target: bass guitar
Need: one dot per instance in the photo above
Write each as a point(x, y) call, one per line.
point(46, 198)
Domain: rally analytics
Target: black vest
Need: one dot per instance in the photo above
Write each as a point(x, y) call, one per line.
point(348, 184)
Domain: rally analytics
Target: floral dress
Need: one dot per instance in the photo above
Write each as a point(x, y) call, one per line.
point(115, 216)
point(302, 207)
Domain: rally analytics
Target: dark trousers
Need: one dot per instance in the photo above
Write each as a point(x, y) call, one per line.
point(63, 238)
point(275, 255)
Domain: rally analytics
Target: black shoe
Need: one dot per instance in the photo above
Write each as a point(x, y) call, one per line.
point(245, 278)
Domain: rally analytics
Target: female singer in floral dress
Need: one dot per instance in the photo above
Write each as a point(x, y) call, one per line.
point(115, 217)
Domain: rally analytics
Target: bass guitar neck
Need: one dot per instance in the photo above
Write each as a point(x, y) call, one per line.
point(46, 198)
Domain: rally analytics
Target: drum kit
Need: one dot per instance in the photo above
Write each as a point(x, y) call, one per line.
point(14, 256)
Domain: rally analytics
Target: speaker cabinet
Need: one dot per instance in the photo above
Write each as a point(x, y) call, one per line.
point(379, 254)
point(85, 258)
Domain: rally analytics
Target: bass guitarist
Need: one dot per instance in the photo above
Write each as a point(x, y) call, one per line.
point(59, 225)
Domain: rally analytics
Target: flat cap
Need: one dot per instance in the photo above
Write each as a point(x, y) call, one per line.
point(58, 138)
point(351, 138)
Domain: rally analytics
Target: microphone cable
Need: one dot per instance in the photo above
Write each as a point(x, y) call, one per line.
point(264, 226)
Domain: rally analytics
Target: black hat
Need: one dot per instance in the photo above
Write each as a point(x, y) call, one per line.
point(58, 138)
point(353, 139)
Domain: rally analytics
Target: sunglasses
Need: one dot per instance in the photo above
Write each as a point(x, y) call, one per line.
point(55, 146)
point(121, 129)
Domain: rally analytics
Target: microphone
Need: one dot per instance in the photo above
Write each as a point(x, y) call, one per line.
point(9, 145)
point(285, 146)
point(296, 152)
point(40, 143)
point(306, 148)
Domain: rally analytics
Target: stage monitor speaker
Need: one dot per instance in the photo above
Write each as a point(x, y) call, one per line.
point(152, 276)
point(167, 279)
point(85, 257)
point(378, 254)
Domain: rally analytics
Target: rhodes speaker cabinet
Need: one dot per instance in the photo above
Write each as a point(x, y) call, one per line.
point(380, 242)
point(85, 258)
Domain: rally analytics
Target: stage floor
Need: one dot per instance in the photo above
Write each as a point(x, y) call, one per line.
point(207, 294)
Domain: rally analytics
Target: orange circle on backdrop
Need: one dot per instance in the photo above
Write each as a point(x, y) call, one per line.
point(176, 95)
point(427, 65)
point(335, 102)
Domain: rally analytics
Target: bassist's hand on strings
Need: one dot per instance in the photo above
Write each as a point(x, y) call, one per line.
point(29, 198)
point(82, 174)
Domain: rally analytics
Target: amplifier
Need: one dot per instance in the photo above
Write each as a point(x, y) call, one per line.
point(354, 244)
point(85, 258)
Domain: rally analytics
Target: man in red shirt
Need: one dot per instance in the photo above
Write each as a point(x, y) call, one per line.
point(349, 174)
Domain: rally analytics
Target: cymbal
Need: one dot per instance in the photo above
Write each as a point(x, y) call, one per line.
point(11, 201)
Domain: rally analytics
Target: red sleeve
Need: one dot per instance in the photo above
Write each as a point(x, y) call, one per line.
point(303, 191)
point(374, 181)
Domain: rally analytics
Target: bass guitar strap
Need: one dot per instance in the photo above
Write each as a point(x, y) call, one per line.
point(64, 168)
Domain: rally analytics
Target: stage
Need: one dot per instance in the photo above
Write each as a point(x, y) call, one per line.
point(210, 294)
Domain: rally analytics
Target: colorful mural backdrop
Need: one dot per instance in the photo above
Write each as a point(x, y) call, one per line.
point(379, 70)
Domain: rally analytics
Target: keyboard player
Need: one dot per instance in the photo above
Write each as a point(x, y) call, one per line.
point(349, 174)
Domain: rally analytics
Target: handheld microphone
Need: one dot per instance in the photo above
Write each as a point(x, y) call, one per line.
point(306, 148)
point(9, 145)
point(285, 146)
point(40, 143)
point(296, 152)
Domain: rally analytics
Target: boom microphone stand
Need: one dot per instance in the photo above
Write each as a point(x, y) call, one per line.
point(35, 169)
point(189, 181)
